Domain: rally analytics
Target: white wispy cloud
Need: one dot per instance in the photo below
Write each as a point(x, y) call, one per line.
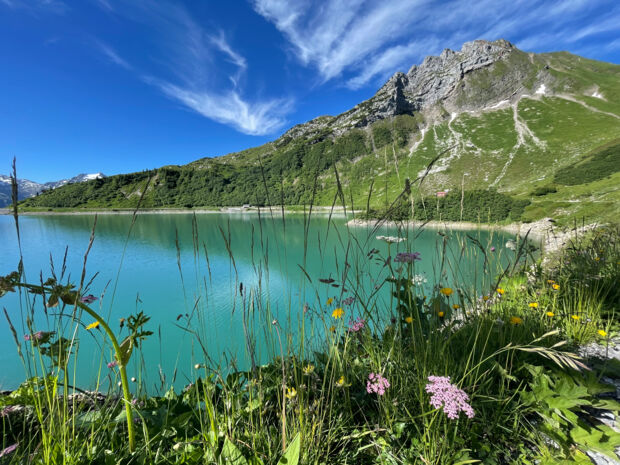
point(230, 108)
point(112, 55)
point(34, 6)
point(368, 40)
point(192, 63)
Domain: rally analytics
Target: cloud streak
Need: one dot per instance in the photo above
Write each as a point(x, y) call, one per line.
point(230, 108)
point(194, 61)
point(112, 56)
point(364, 41)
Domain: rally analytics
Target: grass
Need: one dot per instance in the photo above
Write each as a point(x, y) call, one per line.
point(508, 349)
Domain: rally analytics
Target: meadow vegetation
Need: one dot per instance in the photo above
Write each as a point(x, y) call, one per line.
point(440, 374)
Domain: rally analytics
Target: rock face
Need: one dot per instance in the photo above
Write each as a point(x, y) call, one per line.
point(454, 81)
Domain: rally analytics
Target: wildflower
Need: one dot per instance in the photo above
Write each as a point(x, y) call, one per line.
point(602, 333)
point(340, 382)
point(348, 301)
point(418, 280)
point(446, 291)
point(376, 384)
point(308, 369)
point(485, 297)
point(93, 325)
point(407, 257)
point(357, 325)
point(330, 300)
point(550, 314)
point(8, 450)
point(500, 291)
point(332, 329)
point(449, 396)
point(133, 379)
point(515, 320)
point(441, 314)
point(291, 393)
point(492, 249)
point(112, 364)
point(533, 305)
point(197, 366)
point(456, 306)
point(338, 313)
point(550, 281)
point(409, 319)
point(88, 299)
point(555, 286)
point(575, 317)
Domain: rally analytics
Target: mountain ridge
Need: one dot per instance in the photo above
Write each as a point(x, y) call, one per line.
point(495, 116)
point(27, 188)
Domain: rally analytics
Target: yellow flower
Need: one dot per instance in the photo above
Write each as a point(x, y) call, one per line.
point(533, 304)
point(338, 313)
point(550, 281)
point(330, 300)
point(515, 320)
point(332, 329)
point(485, 297)
point(602, 333)
point(93, 325)
point(409, 319)
point(555, 286)
point(596, 259)
point(550, 314)
point(446, 291)
point(308, 369)
point(291, 392)
point(575, 317)
point(500, 291)
point(340, 381)
point(441, 314)
point(456, 306)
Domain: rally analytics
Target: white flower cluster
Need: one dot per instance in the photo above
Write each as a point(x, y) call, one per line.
point(391, 239)
point(419, 279)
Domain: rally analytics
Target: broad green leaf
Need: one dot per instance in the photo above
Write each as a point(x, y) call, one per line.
point(231, 454)
point(602, 439)
point(291, 455)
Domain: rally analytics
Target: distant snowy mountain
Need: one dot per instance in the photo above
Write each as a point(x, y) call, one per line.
point(26, 188)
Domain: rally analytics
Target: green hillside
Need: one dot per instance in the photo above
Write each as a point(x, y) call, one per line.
point(553, 149)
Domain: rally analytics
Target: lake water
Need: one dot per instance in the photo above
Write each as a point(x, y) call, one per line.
point(177, 268)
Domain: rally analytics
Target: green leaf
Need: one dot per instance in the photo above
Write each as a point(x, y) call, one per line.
point(231, 454)
point(291, 455)
point(126, 349)
point(602, 439)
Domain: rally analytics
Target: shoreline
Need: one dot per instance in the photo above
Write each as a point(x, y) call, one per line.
point(544, 231)
point(178, 211)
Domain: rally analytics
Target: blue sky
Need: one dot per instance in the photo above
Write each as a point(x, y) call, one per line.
point(125, 85)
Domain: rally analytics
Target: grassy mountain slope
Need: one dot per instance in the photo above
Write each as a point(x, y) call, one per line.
point(519, 126)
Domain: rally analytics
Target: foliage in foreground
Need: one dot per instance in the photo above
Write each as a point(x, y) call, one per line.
point(441, 377)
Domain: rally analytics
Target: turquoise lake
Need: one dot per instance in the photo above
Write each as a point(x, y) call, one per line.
point(208, 280)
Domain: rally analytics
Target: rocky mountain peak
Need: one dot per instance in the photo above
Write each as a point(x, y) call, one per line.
point(452, 81)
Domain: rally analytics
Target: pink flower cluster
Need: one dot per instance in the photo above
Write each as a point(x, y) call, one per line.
point(449, 396)
point(88, 299)
point(357, 325)
point(112, 364)
point(38, 336)
point(407, 257)
point(377, 384)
